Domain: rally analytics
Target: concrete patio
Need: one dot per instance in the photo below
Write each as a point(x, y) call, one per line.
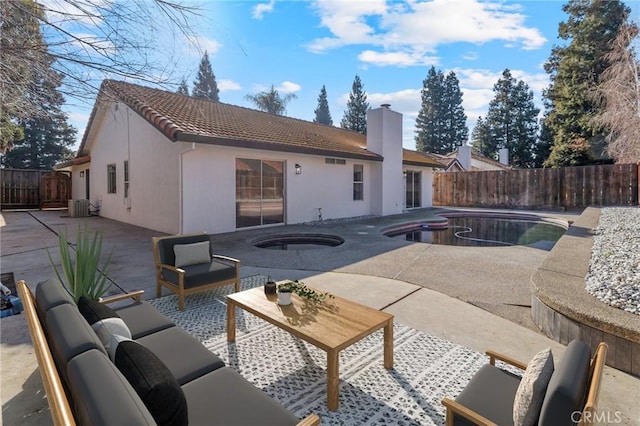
point(476, 297)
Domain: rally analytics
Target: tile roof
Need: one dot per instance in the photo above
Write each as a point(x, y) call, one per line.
point(415, 158)
point(188, 119)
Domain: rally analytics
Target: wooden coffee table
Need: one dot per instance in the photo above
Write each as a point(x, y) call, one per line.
point(331, 326)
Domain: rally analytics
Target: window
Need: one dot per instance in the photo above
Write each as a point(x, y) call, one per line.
point(328, 160)
point(111, 178)
point(126, 178)
point(358, 185)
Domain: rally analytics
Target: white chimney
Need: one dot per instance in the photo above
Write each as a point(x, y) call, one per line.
point(464, 157)
point(504, 156)
point(384, 137)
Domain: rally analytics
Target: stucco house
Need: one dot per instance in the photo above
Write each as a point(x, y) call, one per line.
point(463, 159)
point(179, 164)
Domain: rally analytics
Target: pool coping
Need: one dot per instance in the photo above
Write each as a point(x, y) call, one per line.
point(564, 310)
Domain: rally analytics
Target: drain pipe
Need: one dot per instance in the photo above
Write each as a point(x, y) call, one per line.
point(181, 188)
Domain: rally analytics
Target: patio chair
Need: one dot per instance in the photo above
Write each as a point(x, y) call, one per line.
point(185, 265)
point(567, 396)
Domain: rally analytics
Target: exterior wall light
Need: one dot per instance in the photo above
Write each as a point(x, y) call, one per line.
point(82, 173)
point(298, 169)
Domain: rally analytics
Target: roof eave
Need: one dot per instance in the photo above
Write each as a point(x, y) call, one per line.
point(422, 164)
point(239, 143)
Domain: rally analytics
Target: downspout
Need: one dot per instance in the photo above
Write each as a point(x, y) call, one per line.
point(181, 188)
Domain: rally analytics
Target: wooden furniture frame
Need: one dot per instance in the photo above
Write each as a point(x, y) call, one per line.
point(61, 413)
point(588, 412)
point(349, 321)
point(59, 406)
point(180, 289)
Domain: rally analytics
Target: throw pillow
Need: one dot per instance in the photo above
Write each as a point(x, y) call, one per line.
point(104, 321)
point(191, 254)
point(116, 339)
point(153, 382)
point(532, 388)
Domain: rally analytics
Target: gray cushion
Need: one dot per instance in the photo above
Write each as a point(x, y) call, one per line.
point(532, 388)
point(143, 319)
point(490, 393)
point(224, 397)
point(184, 356)
point(69, 335)
point(102, 396)
point(165, 246)
point(567, 387)
point(49, 294)
point(192, 254)
point(197, 275)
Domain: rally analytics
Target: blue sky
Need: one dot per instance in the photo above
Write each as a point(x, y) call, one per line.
point(298, 46)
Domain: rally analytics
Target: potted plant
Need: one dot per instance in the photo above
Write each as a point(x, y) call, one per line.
point(286, 288)
point(82, 275)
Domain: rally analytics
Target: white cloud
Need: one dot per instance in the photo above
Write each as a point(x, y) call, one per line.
point(470, 56)
point(260, 9)
point(226, 85)
point(288, 87)
point(401, 59)
point(405, 101)
point(409, 31)
point(198, 45)
point(65, 13)
point(85, 40)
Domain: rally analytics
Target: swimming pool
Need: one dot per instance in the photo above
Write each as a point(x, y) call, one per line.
point(482, 229)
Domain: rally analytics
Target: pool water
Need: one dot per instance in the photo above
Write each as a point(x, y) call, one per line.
point(488, 232)
point(298, 241)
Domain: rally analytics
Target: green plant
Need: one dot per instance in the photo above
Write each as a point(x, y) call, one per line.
point(82, 275)
point(300, 288)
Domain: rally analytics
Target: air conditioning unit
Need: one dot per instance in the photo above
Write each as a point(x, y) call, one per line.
point(78, 208)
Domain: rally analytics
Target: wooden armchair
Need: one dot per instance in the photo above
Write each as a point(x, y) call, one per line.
point(571, 396)
point(186, 265)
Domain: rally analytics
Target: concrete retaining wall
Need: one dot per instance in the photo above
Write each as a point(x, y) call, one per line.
point(562, 308)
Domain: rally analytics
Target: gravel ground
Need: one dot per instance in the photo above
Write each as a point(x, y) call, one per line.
point(614, 270)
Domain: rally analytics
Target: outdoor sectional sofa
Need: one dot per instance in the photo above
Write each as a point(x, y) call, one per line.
point(161, 375)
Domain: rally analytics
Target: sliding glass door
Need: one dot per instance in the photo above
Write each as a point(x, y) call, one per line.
point(413, 196)
point(259, 192)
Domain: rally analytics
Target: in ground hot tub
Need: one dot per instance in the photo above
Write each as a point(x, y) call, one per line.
point(298, 241)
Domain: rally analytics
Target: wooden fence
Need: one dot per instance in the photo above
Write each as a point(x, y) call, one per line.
point(565, 187)
point(29, 189)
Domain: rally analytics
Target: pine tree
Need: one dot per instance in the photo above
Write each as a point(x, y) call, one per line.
point(511, 122)
point(481, 141)
point(544, 145)
point(205, 85)
point(428, 122)
point(441, 123)
point(47, 139)
point(270, 101)
point(355, 117)
point(575, 68)
point(456, 130)
point(183, 89)
point(323, 116)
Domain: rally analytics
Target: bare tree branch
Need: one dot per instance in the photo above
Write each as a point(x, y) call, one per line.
point(619, 93)
point(89, 40)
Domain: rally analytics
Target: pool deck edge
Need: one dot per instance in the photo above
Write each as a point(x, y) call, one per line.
point(564, 310)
